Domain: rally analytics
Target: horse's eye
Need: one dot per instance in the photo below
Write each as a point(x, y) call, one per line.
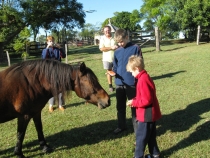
point(87, 98)
point(94, 91)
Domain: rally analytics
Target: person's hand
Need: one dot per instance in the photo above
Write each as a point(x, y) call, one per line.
point(129, 103)
point(114, 47)
point(49, 44)
point(57, 45)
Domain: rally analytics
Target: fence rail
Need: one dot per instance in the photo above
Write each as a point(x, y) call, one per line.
point(143, 38)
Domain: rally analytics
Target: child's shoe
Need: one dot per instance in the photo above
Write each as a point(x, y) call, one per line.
point(111, 89)
point(51, 109)
point(61, 108)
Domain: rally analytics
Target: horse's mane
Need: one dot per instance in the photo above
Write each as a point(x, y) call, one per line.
point(59, 75)
point(54, 72)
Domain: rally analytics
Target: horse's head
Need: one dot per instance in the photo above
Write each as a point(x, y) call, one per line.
point(86, 86)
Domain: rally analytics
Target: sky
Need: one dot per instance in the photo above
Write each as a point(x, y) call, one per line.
point(106, 8)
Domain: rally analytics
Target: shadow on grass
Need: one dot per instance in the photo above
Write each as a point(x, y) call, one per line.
point(167, 50)
point(112, 95)
point(89, 50)
point(66, 140)
point(90, 134)
point(75, 104)
point(177, 121)
point(167, 75)
point(183, 120)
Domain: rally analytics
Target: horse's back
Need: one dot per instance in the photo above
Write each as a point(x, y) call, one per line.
point(7, 111)
point(17, 96)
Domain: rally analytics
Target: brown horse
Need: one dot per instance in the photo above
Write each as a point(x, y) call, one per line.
point(25, 88)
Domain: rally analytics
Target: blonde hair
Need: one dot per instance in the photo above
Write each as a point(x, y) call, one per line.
point(135, 61)
point(120, 35)
point(50, 38)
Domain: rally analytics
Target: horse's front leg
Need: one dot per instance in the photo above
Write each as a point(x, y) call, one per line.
point(22, 123)
point(38, 124)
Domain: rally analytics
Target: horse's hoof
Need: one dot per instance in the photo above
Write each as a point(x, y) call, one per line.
point(47, 149)
point(18, 154)
point(21, 156)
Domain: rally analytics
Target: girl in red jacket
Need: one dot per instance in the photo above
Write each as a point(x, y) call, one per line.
point(147, 108)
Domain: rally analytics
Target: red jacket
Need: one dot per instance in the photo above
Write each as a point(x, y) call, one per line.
point(145, 102)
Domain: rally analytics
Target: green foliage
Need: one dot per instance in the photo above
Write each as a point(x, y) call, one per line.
point(24, 55)
point(174, 16)
point(159, 14)
point(122, 20)
point(106, 22)
point(21, 41)
point(49, 14)
point(88, 31)
point(41, 38)
point(10, 21)
point(125, 20)
point(192, 13)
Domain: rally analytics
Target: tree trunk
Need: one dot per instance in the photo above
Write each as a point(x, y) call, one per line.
point(198, 34)
point(157, 39)
point(1, 50)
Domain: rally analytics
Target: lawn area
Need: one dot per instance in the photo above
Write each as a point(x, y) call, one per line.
point(181, 74)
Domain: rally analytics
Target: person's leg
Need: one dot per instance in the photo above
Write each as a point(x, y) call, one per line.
point(60, 102)
point(51, 102)
point(108, 66)
point(131, 93)
point(142, 135)
point(121, 109)
point(109, 79)
point(152, 143)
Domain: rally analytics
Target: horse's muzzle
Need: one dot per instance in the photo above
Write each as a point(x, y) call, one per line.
point(103, 105)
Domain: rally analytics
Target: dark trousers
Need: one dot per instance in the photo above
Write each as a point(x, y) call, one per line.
point(146, 134)
point(122, 94)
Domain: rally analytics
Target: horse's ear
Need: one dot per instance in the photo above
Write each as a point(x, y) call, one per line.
point(82, 67)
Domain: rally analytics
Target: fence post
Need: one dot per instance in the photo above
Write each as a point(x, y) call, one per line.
point(129, 35)
point(66, 50)
point(198, 34)
point(157, 39)
point(27, 49)
point(8, 58)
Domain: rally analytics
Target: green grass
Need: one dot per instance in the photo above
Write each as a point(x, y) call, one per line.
point(181, 74)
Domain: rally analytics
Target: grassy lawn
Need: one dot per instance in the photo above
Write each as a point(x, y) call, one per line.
point(181, 74)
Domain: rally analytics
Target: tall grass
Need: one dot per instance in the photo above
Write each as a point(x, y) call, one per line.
point(181, 74)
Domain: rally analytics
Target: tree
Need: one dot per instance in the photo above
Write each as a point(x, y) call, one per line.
point(174, 16)
point(189, 14)
point(88, 31)
point(157, 13)
point(22, 39)
point(15, 15)
point(122, 20)
point(41, 39)
point(126, 20)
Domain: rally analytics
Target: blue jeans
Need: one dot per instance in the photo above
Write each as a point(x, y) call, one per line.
point(146, 134)
point(124, 92)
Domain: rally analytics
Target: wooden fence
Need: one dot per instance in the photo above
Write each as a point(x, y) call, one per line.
point(34, 49)
point(146, 38)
